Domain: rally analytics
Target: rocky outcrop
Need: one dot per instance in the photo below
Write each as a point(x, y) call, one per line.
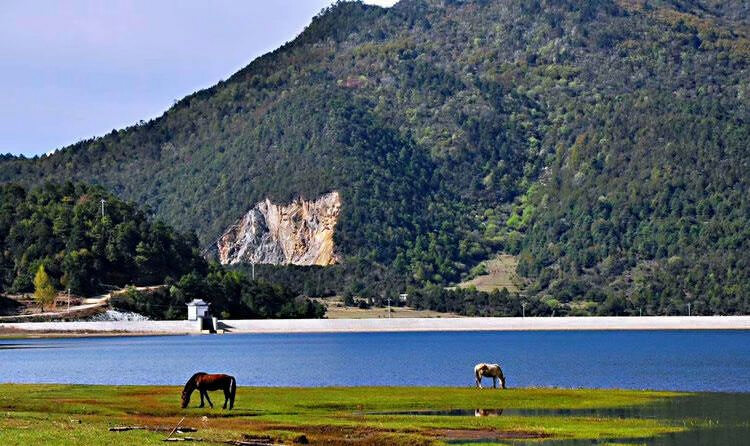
point(300, 233)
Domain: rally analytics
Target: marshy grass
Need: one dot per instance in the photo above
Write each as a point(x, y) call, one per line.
point(81, 414)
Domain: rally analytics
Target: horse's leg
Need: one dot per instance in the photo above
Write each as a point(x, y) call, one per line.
point(208, 399)
point(494, 382)
point(202, 403)
point(479, 381)
point(226, 397)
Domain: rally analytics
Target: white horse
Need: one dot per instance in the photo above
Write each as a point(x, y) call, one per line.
point(489, 371)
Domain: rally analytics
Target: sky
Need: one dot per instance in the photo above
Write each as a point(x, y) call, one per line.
point(74, 69)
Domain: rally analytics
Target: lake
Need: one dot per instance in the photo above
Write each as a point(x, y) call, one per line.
point(665, 360)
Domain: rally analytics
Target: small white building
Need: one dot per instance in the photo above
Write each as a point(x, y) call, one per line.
point(197, 309)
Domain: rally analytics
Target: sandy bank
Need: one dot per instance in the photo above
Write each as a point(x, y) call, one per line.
point(388, 325)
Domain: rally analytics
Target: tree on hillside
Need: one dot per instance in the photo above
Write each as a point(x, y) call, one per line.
point(44, 292)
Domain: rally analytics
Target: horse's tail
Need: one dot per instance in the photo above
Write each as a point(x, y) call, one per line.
point(232, 391)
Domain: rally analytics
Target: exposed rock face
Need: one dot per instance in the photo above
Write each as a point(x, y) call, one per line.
point(300, 233)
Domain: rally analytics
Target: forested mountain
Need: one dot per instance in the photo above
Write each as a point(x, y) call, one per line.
point(603, 142)
point(87, 240)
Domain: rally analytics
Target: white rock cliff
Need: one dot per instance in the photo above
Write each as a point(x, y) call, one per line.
point(300, 233)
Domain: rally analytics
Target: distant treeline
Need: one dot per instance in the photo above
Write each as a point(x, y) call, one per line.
point(231, 294)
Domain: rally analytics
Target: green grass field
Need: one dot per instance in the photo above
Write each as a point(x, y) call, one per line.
point(76, 414)
point(500, 273)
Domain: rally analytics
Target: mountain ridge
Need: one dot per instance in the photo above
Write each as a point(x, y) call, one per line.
point(458, 129)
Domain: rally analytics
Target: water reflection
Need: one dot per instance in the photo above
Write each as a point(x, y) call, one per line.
point(488, 412)
point(619, 412)
point(711, 419)
point(447, 412)
point(17, 346)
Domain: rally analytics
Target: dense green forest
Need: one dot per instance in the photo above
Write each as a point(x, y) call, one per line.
point(604, 143)
point(87, 240)
point(88, 248)
point(231, 294)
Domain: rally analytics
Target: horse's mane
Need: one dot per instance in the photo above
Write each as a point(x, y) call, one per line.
point(193, 378)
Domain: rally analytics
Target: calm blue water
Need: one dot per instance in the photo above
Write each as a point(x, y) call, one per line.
point(675, 360)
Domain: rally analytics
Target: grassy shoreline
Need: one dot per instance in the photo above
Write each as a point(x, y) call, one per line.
point(83, 414)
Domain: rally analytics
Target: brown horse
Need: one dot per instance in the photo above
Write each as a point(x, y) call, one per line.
point(203, 382)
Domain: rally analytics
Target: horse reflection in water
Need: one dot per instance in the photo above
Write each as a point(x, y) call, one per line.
point(203, 382)
point(488, 412)
point(493, 371)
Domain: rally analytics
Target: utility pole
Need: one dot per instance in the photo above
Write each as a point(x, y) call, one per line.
point(688, 305)
point(103, 201)
point(523, 309)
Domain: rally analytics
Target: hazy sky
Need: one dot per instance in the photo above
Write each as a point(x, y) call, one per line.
point(74, 69)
